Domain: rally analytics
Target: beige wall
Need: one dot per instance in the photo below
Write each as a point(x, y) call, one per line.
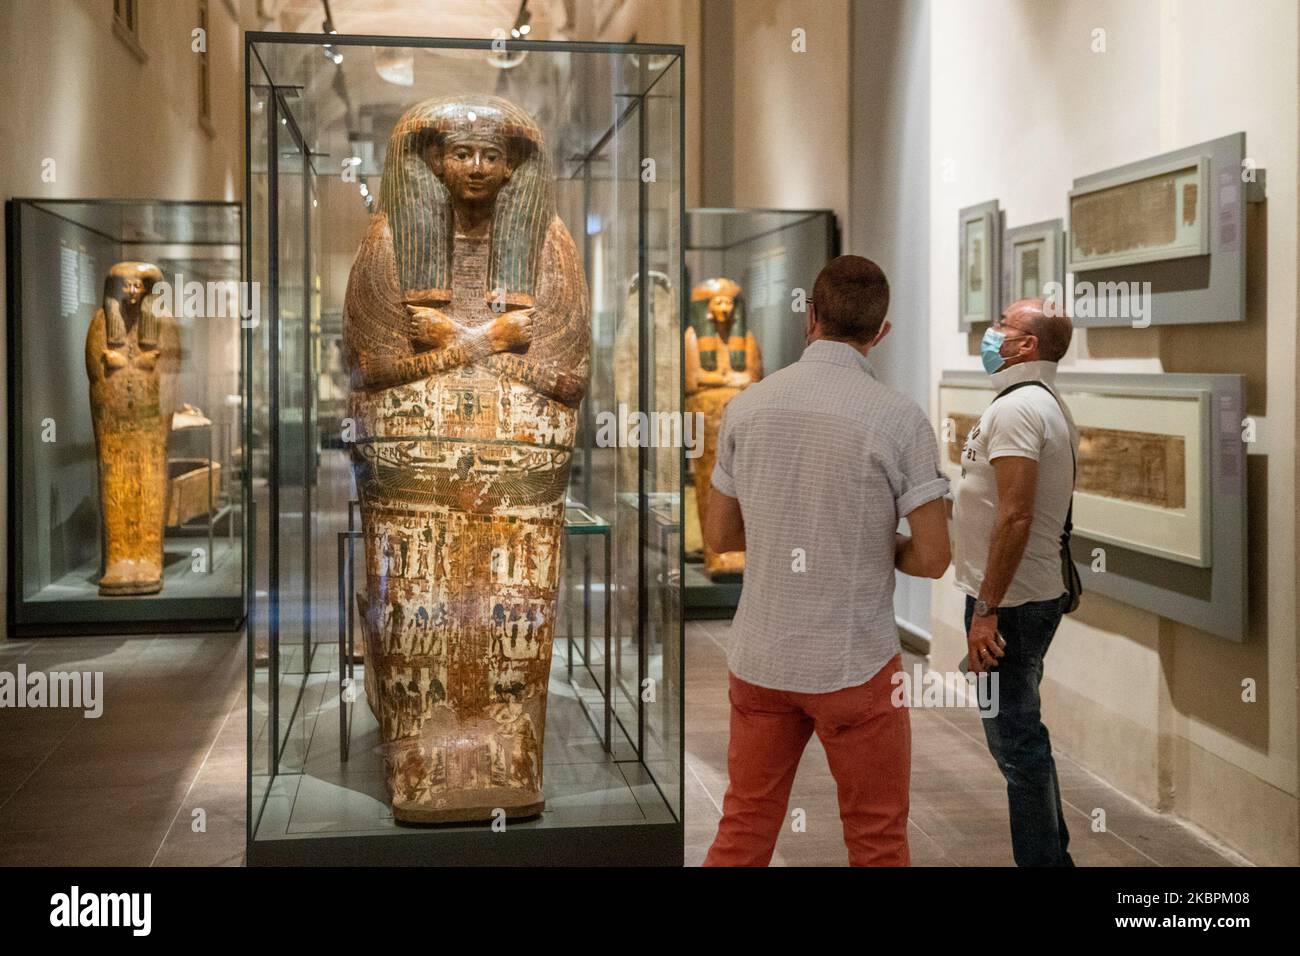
point(791, 132)
point(779, 138)
point(115, 127)
point(1020, 106)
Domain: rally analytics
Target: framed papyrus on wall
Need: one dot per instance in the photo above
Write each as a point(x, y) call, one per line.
point(1145, 215)
point(980, 268)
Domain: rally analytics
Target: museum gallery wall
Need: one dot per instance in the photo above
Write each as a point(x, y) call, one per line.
point(1150, 702)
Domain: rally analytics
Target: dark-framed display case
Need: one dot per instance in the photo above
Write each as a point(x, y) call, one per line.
point(773, 256)
point(339, 773)
point(65, 518)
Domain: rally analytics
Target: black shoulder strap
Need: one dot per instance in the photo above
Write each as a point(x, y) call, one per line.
point(1069, 514)
point(1011, 388)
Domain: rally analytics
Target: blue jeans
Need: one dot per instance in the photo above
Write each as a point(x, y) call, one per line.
point(1018, 739)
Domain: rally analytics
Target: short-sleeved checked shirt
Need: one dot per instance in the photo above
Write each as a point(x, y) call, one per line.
point(824, 460)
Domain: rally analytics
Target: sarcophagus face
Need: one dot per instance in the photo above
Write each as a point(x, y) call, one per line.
point(132, 352)
point(466, 340)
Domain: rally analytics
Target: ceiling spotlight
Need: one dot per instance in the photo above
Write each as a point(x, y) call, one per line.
point(327, 26)
point(522, 21)
point(522, 27)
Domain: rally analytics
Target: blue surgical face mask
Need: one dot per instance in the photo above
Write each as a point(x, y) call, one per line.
point(991, 350)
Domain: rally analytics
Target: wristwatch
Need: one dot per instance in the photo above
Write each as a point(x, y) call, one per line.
point(984, 609)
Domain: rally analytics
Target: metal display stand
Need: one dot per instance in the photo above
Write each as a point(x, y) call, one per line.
point(219, 504)
point(347, 636)
point(579, 521)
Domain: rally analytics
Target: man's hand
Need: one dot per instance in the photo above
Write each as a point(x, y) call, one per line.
point(511, 331)
point(430, 328)
point(982, 646)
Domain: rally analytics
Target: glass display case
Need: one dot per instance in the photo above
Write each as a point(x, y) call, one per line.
point(125, 506)
point(465, 641)
point(748, 272)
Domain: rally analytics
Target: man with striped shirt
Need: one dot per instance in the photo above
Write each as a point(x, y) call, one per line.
point(816, 465)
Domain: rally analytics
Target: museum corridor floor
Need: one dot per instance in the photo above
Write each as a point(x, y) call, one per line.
point(123, 789)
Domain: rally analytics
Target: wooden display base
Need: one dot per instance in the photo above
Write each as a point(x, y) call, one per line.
point(476, 814)
point(131, 588)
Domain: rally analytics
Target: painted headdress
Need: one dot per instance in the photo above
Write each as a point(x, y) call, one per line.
point(700, 321)
point(114, 324)
point(709, 288)
point(418, 204)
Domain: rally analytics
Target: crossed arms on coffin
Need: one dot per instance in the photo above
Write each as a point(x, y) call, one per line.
point(390, 342)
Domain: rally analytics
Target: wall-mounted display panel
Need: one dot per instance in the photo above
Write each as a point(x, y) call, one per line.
point(979, 243)
point(1032, 257)
point(1143, 215)
point(1160, 487)
point(1163, 241)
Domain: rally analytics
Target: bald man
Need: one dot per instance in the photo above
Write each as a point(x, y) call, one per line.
point(1009, 512)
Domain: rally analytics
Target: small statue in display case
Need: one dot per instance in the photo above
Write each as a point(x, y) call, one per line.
point(466, 340)
point(722, 358)
point(132, 353)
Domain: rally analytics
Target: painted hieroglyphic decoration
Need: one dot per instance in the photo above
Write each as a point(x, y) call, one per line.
point(1028, 268)
point(132, 353)
point(466, 341)
point(716, 343)
point(1114, 463)
point(1158, 213)
point(1133, 466)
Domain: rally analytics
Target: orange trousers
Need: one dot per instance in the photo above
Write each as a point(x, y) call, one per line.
point(868, 744)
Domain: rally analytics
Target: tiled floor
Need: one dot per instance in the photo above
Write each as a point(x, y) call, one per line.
point(958, 812)
point(123, 789)
point(127, 788)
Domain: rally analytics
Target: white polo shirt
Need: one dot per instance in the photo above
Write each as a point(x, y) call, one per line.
point(1028, 423)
